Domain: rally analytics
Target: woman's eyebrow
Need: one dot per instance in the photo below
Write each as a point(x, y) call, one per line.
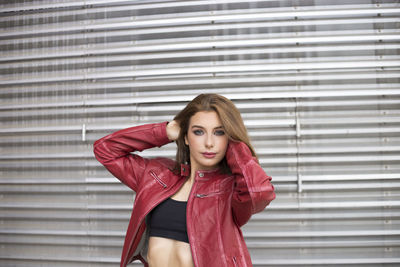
point(198, 126)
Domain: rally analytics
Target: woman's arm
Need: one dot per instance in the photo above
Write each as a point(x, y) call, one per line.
point(113, 150)
point(253, 189)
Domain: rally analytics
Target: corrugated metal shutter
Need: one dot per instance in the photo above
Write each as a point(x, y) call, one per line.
point(317, 83)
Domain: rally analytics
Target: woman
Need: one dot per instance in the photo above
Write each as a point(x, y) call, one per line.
point(189, 212)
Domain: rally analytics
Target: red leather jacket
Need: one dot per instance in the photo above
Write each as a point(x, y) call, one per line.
point(218, 205)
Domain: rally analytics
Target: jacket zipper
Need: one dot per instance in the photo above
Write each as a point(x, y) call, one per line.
point(158, 179)
point(234, 261)
point(208, 195)
point(188, 224)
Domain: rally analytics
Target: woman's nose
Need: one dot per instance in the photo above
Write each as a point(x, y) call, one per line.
point(209, 141)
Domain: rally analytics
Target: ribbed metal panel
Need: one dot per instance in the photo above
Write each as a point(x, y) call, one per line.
point(317, 82)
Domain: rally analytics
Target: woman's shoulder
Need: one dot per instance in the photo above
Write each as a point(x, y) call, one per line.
point(163, 162)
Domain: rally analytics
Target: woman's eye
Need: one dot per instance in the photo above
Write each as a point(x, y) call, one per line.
point(220, 132)
point(198, 132)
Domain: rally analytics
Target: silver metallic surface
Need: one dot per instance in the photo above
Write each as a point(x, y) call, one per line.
point(317, 83)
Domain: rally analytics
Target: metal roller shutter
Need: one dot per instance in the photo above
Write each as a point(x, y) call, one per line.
point(317, 83)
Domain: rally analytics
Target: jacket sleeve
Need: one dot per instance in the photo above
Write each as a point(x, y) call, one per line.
point(113, 151)
point(253, 190)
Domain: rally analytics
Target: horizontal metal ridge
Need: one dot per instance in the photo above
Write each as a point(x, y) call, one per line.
point(224, 84)
point(206, 17)
point(325, 261)
point(204, 43)
point(341, 65)
point(26, 40)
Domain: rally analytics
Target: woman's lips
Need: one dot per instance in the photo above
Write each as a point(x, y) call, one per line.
point(209, 155)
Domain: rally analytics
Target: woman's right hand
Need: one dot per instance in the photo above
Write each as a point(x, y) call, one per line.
point(173, 130)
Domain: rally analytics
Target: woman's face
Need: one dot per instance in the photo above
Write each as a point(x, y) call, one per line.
point(207, 140)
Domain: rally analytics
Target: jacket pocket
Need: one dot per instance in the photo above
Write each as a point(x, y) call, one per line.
point(155, 176)
point(224, 187)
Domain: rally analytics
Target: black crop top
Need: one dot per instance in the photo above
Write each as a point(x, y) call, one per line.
point(168, 220)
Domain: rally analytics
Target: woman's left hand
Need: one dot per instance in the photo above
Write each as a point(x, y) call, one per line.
point(173, 129)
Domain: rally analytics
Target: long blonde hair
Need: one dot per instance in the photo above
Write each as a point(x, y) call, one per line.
point(229, 115)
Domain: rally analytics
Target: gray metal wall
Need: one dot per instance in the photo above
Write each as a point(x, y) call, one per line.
point(317, 83)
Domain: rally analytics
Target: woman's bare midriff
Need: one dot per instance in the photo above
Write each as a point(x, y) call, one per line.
point(165, 252)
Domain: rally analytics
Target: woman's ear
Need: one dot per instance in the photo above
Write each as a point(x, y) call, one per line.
point(186, 140)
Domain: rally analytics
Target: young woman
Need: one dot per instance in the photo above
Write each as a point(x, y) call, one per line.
point(188, 212)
